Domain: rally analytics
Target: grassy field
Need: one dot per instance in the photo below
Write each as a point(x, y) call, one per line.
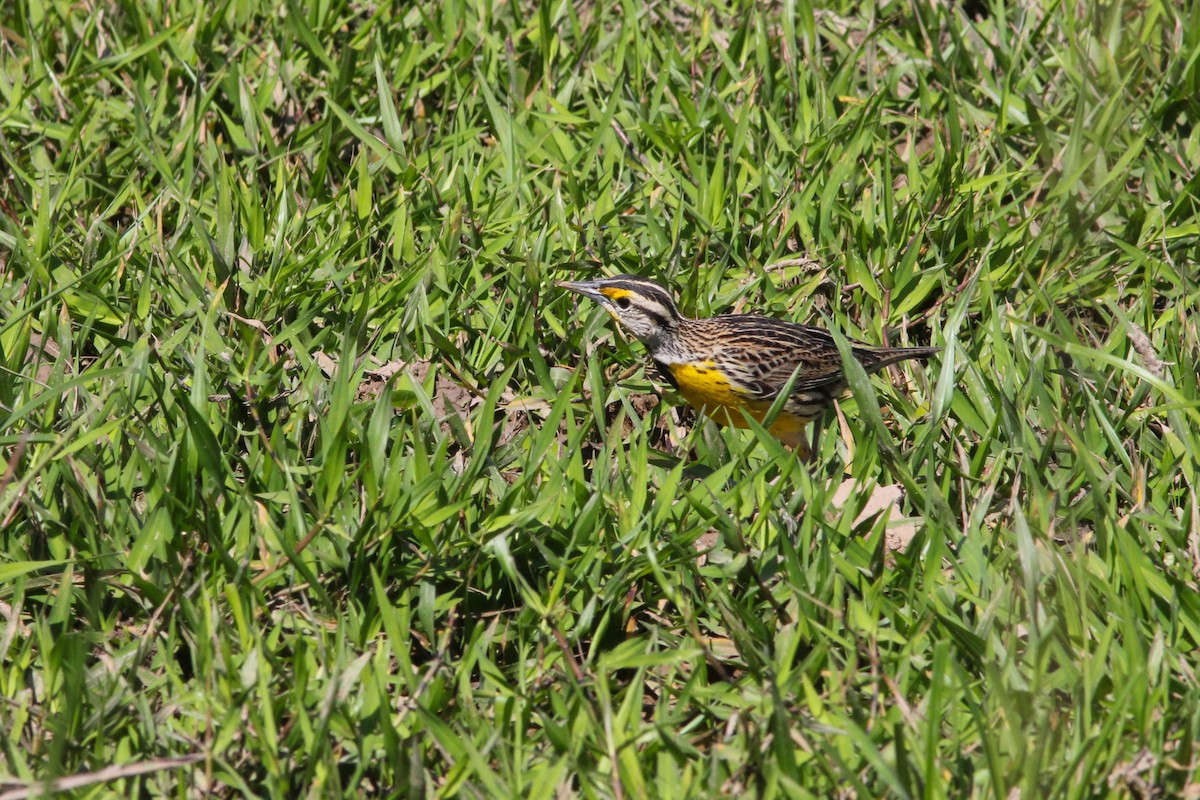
point(312, 484)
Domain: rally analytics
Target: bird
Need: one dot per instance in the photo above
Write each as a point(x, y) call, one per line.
point(735, 365)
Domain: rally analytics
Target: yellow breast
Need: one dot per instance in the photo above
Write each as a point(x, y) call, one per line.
point(711, 392)
point(705, 387)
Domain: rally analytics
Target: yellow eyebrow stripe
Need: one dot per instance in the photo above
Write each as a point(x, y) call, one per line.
point(613, 293)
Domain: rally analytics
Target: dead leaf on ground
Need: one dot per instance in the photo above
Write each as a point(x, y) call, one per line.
point(704, 544)
point(883, 500)
point(325, 363)
point(451, 397)
point(385, 371)
point(374, 380)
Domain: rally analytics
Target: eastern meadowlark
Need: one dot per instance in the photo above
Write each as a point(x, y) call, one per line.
point(736, 365)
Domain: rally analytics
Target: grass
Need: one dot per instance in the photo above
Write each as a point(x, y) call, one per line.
point(313, 485)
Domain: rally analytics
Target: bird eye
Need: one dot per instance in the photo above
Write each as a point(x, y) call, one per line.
point(623, 303)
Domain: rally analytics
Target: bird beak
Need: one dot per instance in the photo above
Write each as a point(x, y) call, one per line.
point(591, 289)
point(586, 288)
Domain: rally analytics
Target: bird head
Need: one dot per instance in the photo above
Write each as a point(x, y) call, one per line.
point(643, 308)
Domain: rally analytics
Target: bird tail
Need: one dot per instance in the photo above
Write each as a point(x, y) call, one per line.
point(891, 355)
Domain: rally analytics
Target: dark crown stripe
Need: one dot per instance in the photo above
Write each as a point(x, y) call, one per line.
point(645, 288)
